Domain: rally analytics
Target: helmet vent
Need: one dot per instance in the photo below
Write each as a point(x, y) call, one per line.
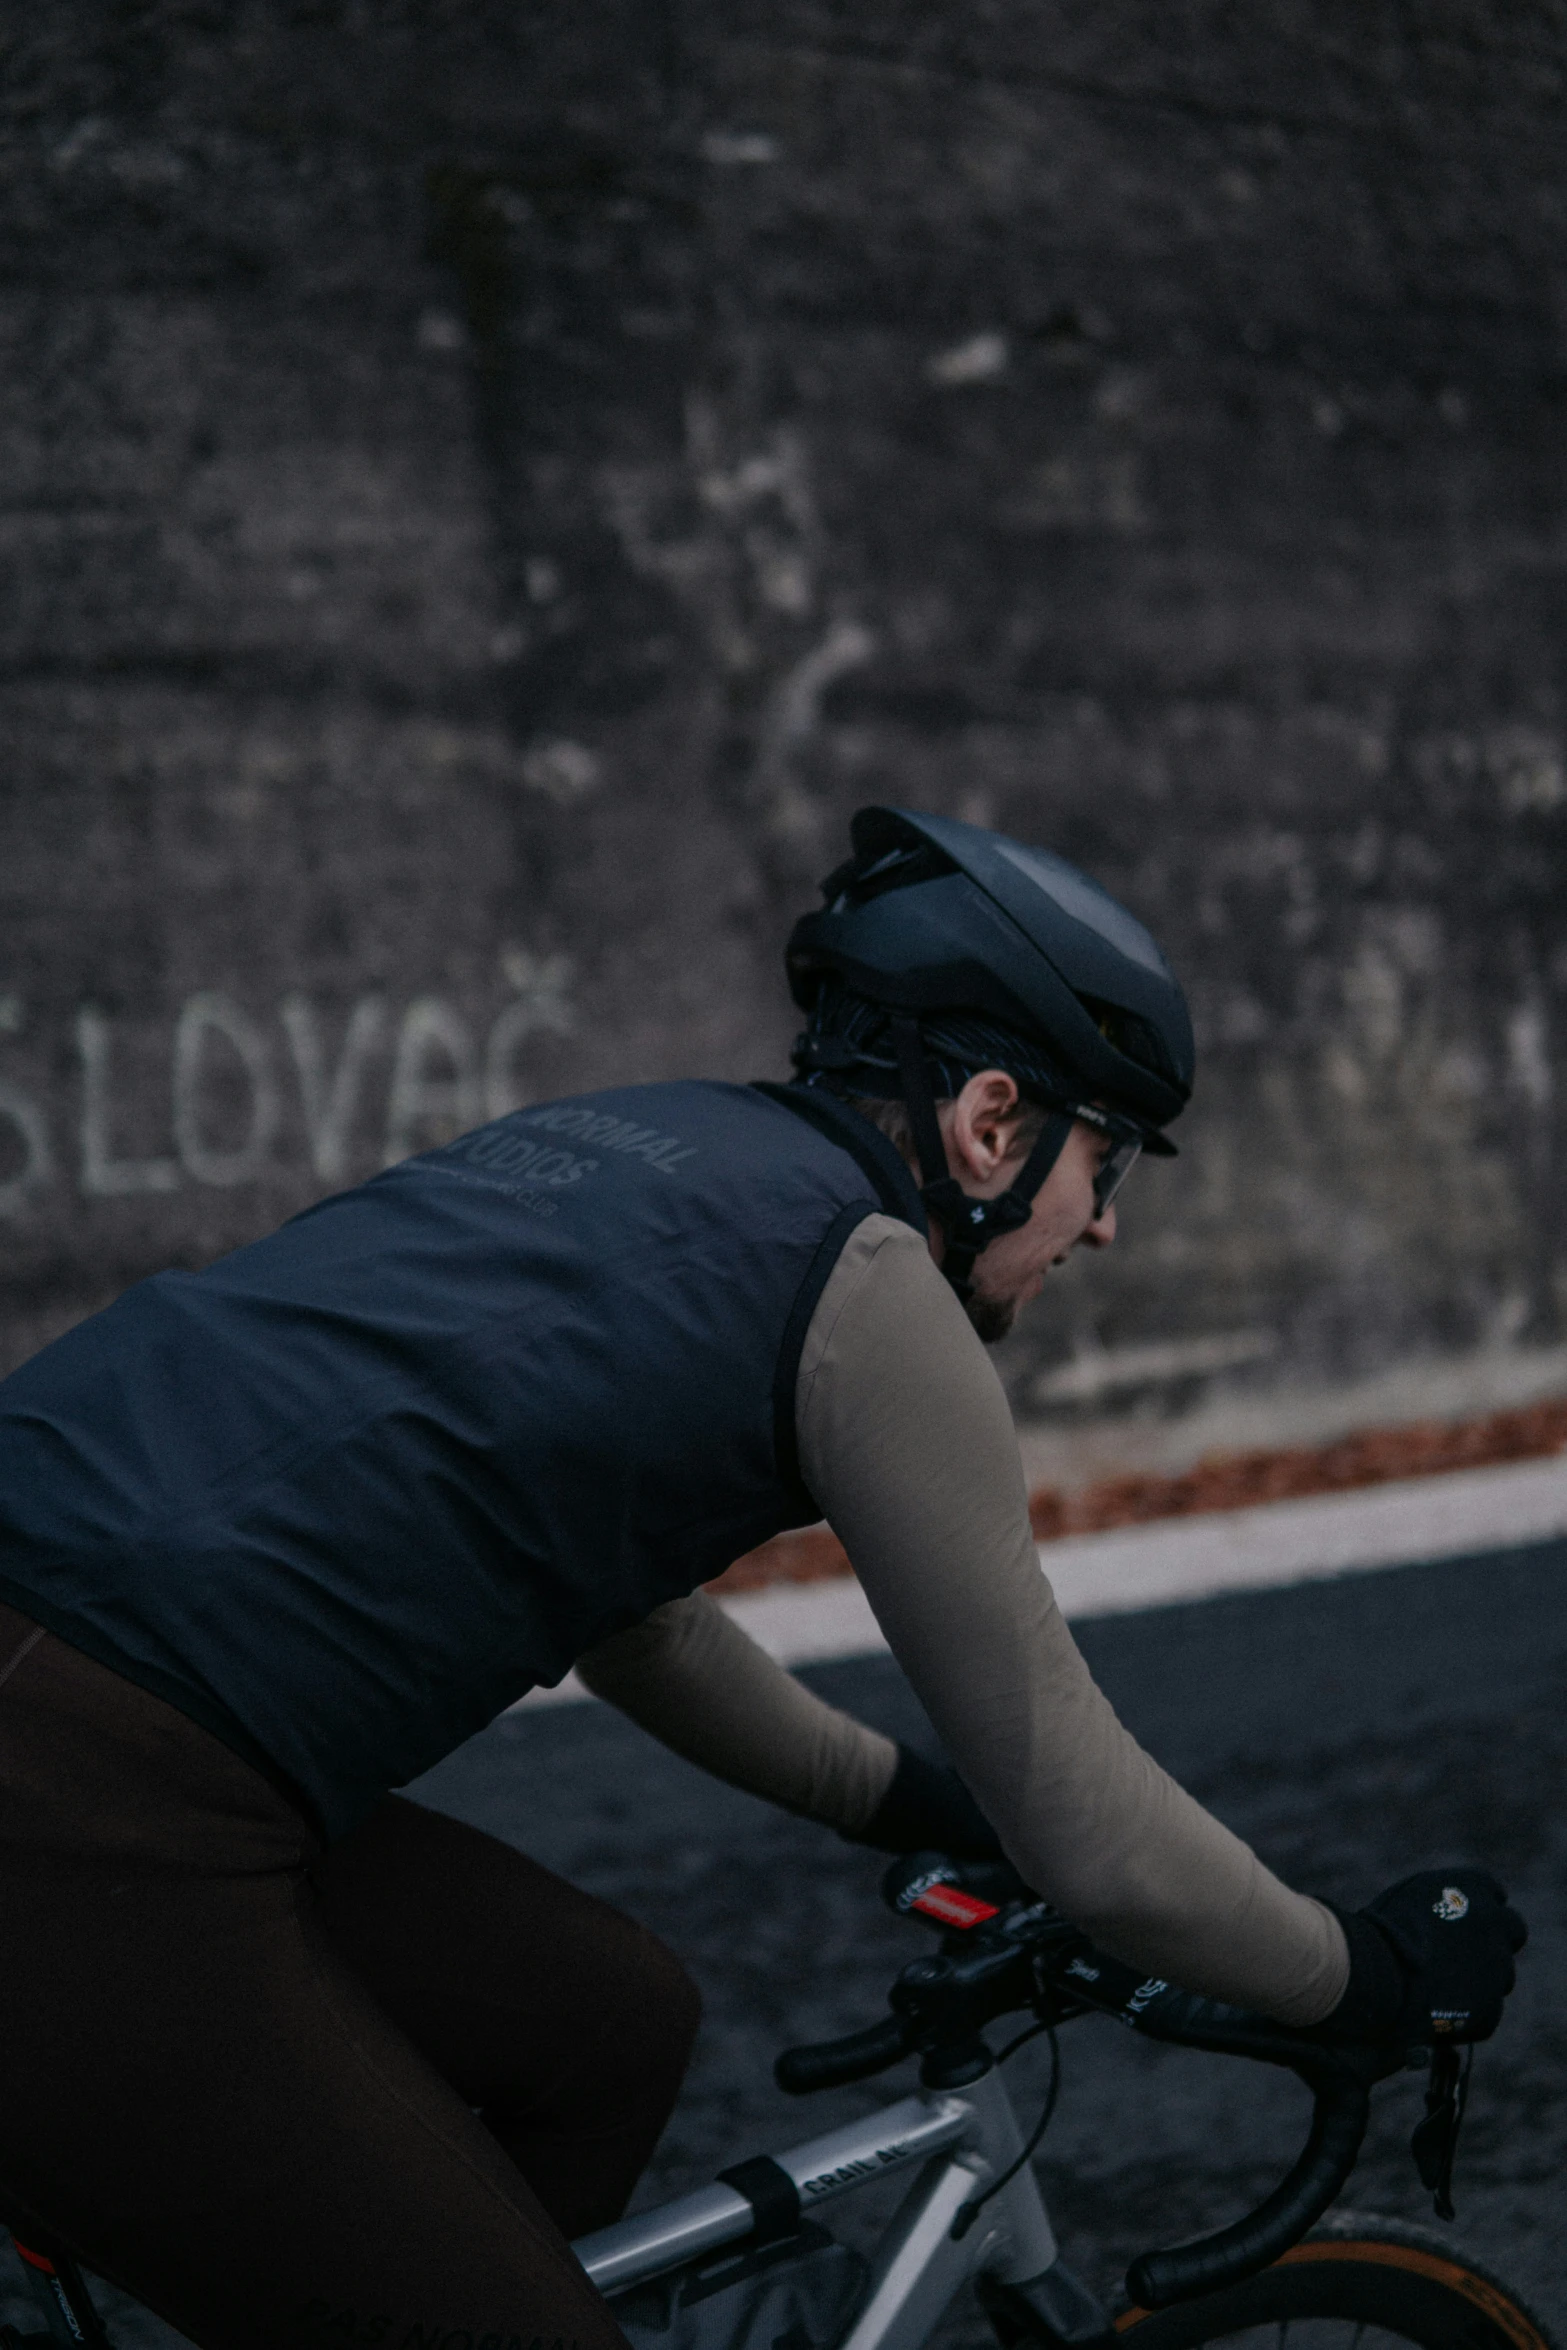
point(861, 878)
point(1133, 1037)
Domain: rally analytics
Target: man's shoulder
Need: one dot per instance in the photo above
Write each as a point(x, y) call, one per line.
point(885, 1295)
point(886, 1249)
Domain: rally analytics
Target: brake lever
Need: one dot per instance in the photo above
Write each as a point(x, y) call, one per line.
point(1435, 2139)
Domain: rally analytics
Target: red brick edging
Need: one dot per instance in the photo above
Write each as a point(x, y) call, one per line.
point(1224, 1481)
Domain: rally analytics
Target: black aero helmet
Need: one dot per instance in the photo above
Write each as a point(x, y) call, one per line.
point(941, 945)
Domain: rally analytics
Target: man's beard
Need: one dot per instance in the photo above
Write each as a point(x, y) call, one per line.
point(990, 1317)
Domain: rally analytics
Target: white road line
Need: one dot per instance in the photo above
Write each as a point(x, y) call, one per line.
point(1302, 1541)
point(1193, 1558)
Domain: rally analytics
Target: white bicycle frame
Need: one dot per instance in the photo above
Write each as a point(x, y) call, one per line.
point(963, 2140)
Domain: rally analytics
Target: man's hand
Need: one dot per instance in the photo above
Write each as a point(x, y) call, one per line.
point(927, 1808)
point(1431, 1959)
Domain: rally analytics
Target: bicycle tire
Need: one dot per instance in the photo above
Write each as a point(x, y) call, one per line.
point(1380, 2277)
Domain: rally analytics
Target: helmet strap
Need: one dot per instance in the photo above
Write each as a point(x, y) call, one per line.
point(968, 1225)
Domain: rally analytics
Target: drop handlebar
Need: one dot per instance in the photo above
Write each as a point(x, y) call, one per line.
point(1004, 1954)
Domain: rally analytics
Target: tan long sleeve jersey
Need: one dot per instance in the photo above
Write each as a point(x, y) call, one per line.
point(907, 1444)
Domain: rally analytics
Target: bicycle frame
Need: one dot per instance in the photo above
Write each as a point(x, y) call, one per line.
point(958, 2143)
point(962, 2140)
point(973, 2213)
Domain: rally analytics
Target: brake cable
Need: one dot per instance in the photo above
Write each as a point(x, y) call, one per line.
point(969, 2212)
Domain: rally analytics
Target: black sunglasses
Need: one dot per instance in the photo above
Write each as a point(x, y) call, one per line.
point(1125, 1149)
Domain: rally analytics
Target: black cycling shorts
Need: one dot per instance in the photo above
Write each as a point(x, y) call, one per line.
point(294, 2096)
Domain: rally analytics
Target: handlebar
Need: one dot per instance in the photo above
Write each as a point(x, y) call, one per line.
point(1003, 1950)
point(828, 2064)
point(1338, 2124)
point(1340, 2084)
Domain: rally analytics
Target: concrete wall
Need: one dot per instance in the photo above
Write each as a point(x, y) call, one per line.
point(488, 489)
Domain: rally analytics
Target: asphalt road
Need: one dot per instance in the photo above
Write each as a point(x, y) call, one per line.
point(1352, 1731)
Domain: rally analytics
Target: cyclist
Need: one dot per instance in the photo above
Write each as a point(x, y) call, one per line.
point(296, 2060)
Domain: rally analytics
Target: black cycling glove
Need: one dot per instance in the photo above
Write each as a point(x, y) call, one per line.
point(927, 1808)
point(1431, 1959)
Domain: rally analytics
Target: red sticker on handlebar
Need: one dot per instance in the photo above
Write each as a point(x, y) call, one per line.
point(953, 1908)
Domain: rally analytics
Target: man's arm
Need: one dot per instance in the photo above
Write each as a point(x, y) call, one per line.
point(907, 1444)
point(701, 1685)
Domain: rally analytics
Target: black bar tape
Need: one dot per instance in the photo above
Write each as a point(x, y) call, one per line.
point(772, 2195)
point(1338, 2124)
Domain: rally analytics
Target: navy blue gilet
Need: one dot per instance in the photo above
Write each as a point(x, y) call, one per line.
point(348, 1492)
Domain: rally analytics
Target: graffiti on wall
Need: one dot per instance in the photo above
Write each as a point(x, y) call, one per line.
point(253, 1094)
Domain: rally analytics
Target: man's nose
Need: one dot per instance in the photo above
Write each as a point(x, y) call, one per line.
point(1101, 1232)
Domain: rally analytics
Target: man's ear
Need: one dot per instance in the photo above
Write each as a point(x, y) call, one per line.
point(981, 1130)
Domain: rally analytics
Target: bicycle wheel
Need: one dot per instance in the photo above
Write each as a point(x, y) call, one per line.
point(1358, 2283)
